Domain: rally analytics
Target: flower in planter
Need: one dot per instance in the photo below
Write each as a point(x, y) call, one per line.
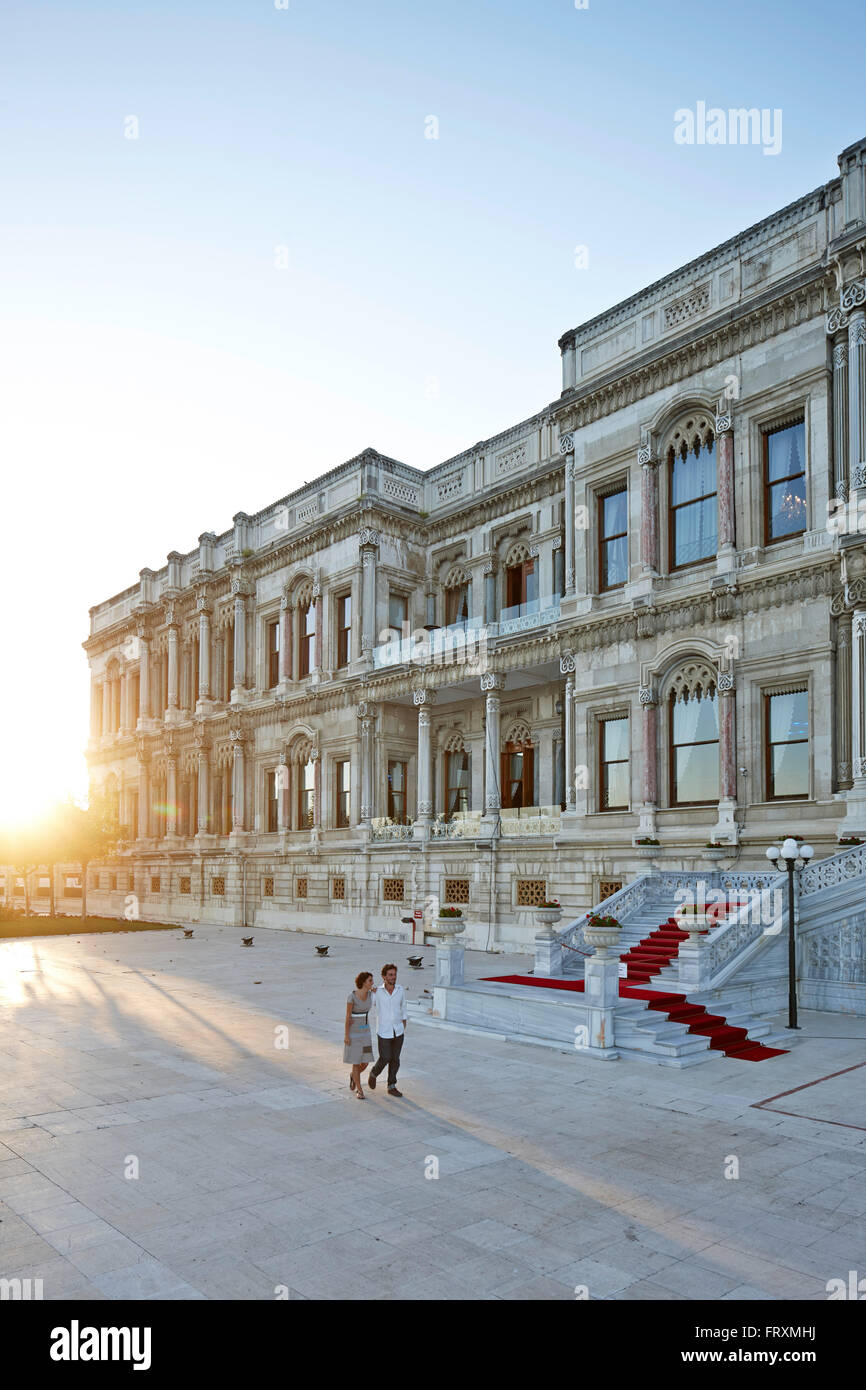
point(450, 912)
point(554, 902)
point(647, 840)
point(850, 840)
point(603, 920)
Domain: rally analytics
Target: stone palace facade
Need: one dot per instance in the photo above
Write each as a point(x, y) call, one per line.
point(638, 615)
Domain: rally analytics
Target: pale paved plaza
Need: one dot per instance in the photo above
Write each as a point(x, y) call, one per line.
point(257, 1169)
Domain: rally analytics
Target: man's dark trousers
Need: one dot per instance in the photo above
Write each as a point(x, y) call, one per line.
point(389, 1051)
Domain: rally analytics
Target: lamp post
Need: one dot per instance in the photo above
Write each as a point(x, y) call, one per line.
point(790, 856)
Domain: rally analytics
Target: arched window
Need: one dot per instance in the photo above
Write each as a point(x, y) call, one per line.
point(458, 796)
point(521, 582)
point(693, 514)
point(307, 795)
point(518, 769)
point(694, 737)
point(456, 597)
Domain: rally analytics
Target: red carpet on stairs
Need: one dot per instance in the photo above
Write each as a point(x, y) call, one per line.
point(647, 959)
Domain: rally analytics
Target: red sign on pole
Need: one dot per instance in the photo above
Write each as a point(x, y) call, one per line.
point(419, 913)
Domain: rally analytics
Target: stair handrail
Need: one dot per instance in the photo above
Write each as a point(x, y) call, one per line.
point(624, 900)
point(835, 869)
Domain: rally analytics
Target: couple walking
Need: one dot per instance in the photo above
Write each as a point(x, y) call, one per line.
point(390, 1003)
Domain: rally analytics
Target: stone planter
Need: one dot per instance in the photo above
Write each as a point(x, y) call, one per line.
point(717, 852)
point(546, 919)
point(604, 939)
point(446, 926)
point(647, 851)
point(695, 923)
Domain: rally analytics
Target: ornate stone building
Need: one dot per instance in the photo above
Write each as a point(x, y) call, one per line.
point(638, 615)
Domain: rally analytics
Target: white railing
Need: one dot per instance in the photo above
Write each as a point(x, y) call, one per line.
point(530, 820)
point(521, 617)
point(384, 829)
point(618, 905)
point(829, 873)
point(462, 825)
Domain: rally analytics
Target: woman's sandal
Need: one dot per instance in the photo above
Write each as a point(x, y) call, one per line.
point(359, 1095)
point(351, 1082)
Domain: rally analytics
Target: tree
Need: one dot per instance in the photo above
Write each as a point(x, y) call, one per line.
point(20, 847)
point(89, 835)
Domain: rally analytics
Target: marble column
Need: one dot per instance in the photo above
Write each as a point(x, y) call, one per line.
point(366, 719)
point(726, 830)
point(489, 592)
point(203, 791)
point(240, 652)
point(649, 759)
point(855, 814)
point(649, 511)
point(286, 615)
point(106, 707)
point(204, 690)
point(171, 795)
point(843, 701)
point(144, 691)
point(492, 685)
point(124, 702)
point(857, 397)
point(369, 541)
point(238, 784)
point(318, 647)
point(282, 780)
point(172, 671)
point(725, 482)
point(558, 568)
point(841, 472)
point(144, 812)
point(95, 709)
point(566, 666)
point(424, 700)
point(566, 447)
point(316, 759)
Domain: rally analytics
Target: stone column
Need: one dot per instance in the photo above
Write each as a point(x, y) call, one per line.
point(423, 700)
point(841, 472)
point(491, 685)
point(172, 710)
point(566, 666)
point(106, 707)
point(95, 709)
point(369, 542)
point(649, 756)
point(649, 510)
point(857, 397)
point(855, 814)
point(318, 646)
point(240, 641)
point(566, 448)
point(144, 691)
point(725, 484)
point(282, 780)
point(490, 592)
point(204, 690)
point(286, 614)
point(171, 795)
point(203, 791)
point(366, 718)
point(726, 830)
point(316, 759)
point(558, 568)
point(238, 783)
point(124, 702)
point(144, 816)
point(843, 700)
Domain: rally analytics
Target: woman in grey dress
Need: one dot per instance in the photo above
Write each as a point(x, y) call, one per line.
point(358, 1042)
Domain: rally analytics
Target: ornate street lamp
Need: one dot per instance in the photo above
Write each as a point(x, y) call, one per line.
point(789, 856)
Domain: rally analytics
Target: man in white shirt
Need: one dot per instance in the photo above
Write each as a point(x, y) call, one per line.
point(390, 1028)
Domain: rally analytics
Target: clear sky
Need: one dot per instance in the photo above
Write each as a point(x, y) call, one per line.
point(282, 268)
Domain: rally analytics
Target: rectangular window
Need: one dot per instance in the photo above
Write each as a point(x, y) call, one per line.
point(218, 887)
point(607, 887)
point(307, 649)
point(518, 776)
point(693, 510)
point(185, 884)
point(786, 722)
point(457, 791)
point(694, 725)
point(392, 890)
point(338, 889)
point(267, 888)
point(273, 640)
point(301, 887)
point(521, 589)
point(397, 808)
point(784, 482)
point(398, 615)
point(457, 605)
point(457, 890)
point(306, 796)
point(341, 792)
point(273, 801)
point(155, 883)
point(613, 539)
point(614, 765)
point(344, 629)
